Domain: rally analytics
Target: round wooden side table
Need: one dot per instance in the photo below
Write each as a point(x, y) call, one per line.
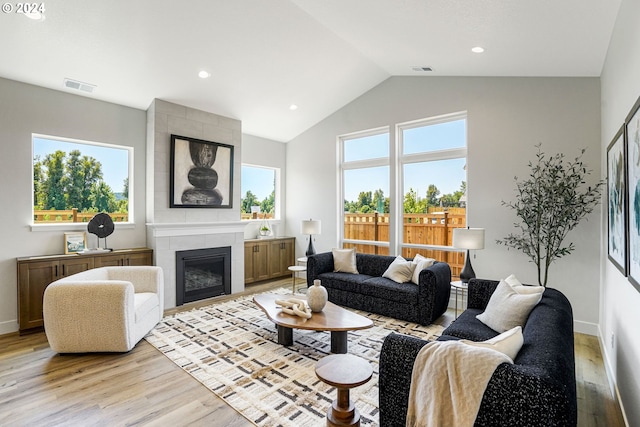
point(344, 372)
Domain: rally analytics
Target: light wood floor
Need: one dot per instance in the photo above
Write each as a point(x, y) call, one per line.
point(143, 387)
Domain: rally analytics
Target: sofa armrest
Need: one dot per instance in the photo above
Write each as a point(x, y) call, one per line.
point(434, 290)
point(104, 306)
point(397, 356)
point(318, 264)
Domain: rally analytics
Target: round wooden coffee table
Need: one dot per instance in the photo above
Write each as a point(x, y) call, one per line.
point(343, 371)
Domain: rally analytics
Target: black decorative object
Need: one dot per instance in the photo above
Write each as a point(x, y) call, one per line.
point(201, 174)
point(467, 272)
point(102, 226)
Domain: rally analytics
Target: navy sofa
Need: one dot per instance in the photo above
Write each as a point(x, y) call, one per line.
point(369, 291)
point(539, 389)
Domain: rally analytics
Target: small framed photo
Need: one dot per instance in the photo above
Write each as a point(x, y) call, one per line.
point(75, 242)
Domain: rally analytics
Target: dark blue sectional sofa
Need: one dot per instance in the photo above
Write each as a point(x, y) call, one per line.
point(539, 389)
point(369, 291)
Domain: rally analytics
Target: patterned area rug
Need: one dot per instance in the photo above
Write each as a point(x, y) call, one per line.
point(232, 349)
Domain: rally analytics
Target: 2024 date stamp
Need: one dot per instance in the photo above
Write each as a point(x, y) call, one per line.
point(23, 8)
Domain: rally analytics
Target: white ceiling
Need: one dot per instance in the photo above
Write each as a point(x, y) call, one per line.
point(264, 55)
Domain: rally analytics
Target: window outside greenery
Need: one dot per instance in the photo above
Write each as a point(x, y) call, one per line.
point(73, 180)
point(259, 192)
point(430, 186)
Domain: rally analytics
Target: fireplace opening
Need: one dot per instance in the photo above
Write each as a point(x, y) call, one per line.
point(202, 273)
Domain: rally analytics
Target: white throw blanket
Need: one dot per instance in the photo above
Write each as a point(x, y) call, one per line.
point(448, 381)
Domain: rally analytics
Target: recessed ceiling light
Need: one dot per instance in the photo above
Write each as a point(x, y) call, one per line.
point(293, 107)
point(204, 74)
point(477, 49)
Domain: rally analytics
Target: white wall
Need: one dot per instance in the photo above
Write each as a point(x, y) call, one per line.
point(620, 301)
point(265, 152)
point(27, 109)
point(506, 118)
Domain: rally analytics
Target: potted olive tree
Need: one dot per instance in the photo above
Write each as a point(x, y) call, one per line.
point(549, 204)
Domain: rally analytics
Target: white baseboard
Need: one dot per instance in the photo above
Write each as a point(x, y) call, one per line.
point(613, 385)
point(8, 327)
point(587, 328)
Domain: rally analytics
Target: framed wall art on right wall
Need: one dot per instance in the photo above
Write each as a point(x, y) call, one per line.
point(632, 136)
point(617, 202)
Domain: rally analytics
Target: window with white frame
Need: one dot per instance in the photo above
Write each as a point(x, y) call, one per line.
point(424, 163)
point(260, 198)
point(433, 181)
point(73, 180)
point(365, 178)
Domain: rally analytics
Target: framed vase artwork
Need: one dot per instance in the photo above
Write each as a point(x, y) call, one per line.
point(617, 202)
point(632, 134)
point(75, 242)
point(201, 174)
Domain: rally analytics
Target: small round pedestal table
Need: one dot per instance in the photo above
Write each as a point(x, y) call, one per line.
point(343, 371)
point(295, 269)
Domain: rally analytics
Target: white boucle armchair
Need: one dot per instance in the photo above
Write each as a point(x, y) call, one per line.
point(107, 309)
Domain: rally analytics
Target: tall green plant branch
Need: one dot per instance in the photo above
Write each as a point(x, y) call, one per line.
point(550, 203)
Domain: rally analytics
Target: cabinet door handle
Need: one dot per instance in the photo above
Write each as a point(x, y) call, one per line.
point(63, 272)
point(56, 271)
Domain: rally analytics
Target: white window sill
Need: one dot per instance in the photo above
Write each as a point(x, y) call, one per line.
point(75, 226)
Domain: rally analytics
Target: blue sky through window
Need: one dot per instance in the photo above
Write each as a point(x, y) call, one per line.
point(114, 161)
point(260, 181)
point(447, 175)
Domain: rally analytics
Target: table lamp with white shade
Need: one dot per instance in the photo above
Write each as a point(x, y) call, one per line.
point(310, 227)
point(468, 238)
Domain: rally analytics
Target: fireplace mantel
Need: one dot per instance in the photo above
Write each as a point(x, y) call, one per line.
point(197, 228)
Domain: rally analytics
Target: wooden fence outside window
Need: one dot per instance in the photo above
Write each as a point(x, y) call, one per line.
point(72, 215)
point(433, 228)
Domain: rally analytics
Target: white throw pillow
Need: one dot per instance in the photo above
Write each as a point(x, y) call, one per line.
point(509, 342)
point(344, 260)
point(513, 281)
point(420, 265)
point(400, 270)
point(508, 308)
point(520, 288)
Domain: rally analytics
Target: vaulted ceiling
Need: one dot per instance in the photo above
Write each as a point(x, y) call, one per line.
point(265, 55)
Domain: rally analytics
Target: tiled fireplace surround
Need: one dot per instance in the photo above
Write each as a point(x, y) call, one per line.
point(176, 229)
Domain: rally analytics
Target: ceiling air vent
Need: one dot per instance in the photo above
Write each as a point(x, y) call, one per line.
point(77, 85)
point(422, 69)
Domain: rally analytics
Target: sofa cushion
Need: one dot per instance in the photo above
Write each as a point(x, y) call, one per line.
point(343, 281)
point(507, 308)
point(400, 270)
point(509, 342)
point(344, 260)
point(387, 289)
point(467, 326)
point(143, 303)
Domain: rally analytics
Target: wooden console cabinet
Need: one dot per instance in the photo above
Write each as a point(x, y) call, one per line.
point(268, 258)
point(36, 273)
